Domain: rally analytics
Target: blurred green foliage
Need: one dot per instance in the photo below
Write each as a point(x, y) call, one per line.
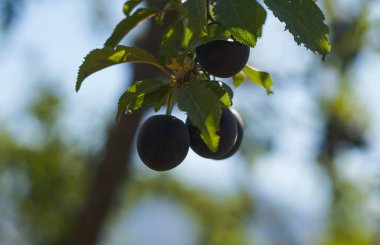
point(54, 175)
point(220, 220)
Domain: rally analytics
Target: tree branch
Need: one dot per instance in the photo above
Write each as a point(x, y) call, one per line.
point(114, 168)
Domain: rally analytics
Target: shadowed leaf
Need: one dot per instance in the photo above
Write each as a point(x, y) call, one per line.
point(143, 93)
point(196, 11)
point(203, 109)
point(305, 21)
point(171, 41)
point(130, 5)
point(221, 90)
point(127, 24)
point(214, 32)
point(243, 18)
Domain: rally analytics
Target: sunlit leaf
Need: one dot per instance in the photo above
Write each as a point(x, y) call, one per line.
point(187, 35)
point(238, 79)
point(261, 78)
point(99, 59)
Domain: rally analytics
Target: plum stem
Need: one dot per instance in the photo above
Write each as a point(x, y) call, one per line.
point(169, 106)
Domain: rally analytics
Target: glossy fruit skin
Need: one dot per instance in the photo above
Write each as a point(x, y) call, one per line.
point(227, 132)
point(163, 142)
point(222, 58)
point(240, 133)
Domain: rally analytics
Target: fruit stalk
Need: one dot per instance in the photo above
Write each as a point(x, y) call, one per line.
point(169, 107)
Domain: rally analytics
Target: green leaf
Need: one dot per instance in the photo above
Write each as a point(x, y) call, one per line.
point(169, 6)
point(214, 32)
point(196, 13)
point(261, 78)
point(221, 90)
point(203, 109)
point(164, 98)
point(99, 59)
point(305, 21)
point(127, 24)
point(130, 5)
point(143, 93)
point(243, 18)
point(238, 79)
point(171, 41)
point(187, 35)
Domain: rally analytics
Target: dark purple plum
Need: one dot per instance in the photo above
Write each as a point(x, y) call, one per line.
point(240, 133)
point(222, 58)
point(163, 142)
point(227, 132)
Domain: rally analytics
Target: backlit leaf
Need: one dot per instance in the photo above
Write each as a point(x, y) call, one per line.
point(261, 78)
point(238, 79)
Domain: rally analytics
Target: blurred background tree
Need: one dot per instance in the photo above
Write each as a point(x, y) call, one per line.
point(321, 124)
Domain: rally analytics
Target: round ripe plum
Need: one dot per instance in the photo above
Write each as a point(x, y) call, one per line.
point(227, 132)
point(222, 58)
point(163, 142)
point(240, 133)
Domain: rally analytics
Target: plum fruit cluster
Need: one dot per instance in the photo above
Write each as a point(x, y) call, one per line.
point(163, 141)
point(222, 58)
